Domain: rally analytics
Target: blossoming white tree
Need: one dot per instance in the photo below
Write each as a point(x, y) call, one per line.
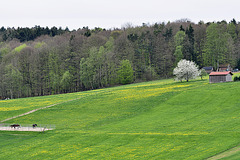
point(186, 70)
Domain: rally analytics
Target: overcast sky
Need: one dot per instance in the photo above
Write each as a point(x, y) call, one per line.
point(112, 13)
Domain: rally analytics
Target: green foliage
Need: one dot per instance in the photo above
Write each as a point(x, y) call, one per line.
point(189, 44)
point(150, 73)
point(84, 73)
point(178, 54)
point(238, 64)
point(125, 72)
point(203, 73)
point(115, 34)
point(236, 78)
point(181, 28)
point(179, 38)
point(88, 69)
point(4, 51)
point(218, 47)
point(153, 120)
point(14, 79)
point(168, 34)
point(28, 34)
point(109, 44)
point(55, 79)
point(92, 56)
point(87, 32)
point(39, 44)
point(21, 47)
point(231, 29)
point(66, 81)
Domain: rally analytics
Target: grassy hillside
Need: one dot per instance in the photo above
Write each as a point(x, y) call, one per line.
point(153, 120)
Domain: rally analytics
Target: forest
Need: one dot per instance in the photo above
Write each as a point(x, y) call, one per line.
point(41, 61)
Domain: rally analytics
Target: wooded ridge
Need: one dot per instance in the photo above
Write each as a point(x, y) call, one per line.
point(41, 61)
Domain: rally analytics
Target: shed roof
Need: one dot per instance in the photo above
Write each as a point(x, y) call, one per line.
point(208, 68)
point(220, 73)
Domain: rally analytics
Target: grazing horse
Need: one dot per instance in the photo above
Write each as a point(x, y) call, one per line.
point(34, 125)
point(14, 126)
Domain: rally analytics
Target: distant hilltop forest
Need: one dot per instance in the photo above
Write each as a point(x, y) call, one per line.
point(29, 34)
point(43, 61)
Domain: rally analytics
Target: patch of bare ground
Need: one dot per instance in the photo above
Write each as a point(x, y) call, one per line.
point(35, 129)
point(226, 153)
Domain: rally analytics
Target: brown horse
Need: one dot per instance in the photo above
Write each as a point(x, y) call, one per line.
point(15, 126)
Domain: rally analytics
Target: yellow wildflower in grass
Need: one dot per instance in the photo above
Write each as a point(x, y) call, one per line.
point(176, 148)
point(40, 152)
point(2, 101)
point(44, 151)
point(8, 101)
point(144, 93)
point(152, 83)
point(11, 108)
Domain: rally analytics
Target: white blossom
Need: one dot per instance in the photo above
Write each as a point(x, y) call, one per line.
point(186, 70)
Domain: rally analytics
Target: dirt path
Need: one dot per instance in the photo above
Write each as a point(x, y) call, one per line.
point(226, 154)
point(35, 129)
point(35, 110)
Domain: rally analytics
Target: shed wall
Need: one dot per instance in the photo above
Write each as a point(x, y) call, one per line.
point(220, 78)
point(217, 78)
point(228, 78)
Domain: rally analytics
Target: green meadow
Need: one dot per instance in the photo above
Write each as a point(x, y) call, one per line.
point(153, 120)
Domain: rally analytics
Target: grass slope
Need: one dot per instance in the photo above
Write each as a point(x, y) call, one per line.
point(152, 120)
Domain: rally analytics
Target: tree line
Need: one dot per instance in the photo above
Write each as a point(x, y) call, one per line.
point(45, 62)
point(29, 34)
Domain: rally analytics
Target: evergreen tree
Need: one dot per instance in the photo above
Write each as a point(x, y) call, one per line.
point(181, 28)
point(86, 58)
point(191, 41)
point(168, 34)
point(234, 21)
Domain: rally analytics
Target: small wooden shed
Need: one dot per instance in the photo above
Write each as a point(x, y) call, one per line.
point(216, 77)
